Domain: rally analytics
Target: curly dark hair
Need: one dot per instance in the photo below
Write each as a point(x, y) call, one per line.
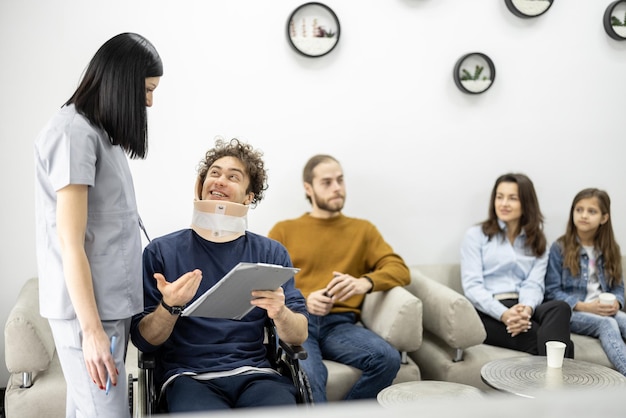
point(251, 159)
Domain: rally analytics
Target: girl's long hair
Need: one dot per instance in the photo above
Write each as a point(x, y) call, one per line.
point(604, 240)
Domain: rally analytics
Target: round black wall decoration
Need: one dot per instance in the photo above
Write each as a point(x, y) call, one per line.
point(474, 73)
point(313, 29)
point(528, 8)
point(615, 20)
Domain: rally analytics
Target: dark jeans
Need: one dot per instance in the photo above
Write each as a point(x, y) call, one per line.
point(337, 337)
point(250, 390)
point(550, 322)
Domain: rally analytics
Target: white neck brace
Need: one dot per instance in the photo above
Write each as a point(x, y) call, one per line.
point(220, 221)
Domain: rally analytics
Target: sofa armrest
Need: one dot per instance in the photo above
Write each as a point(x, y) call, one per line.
point(447, 313)
point(395, 315)
point(28, 341)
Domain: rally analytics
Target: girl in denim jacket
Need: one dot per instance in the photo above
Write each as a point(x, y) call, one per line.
point(584, 263)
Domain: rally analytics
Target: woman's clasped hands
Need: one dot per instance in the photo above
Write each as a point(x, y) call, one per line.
point(517, 319)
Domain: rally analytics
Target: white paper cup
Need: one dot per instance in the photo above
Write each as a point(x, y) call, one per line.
point(607, 298)
point(555, 351)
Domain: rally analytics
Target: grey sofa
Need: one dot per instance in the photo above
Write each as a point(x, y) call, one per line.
point(452, 348)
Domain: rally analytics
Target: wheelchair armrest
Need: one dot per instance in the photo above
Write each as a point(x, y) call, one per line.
point(288, 364)
point(147, 393)
point(146, 360)
point(294, 352)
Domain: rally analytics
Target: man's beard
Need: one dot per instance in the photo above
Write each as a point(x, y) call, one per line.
point(336, 206)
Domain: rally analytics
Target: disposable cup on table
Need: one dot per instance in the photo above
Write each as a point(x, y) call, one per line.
point(555, 351)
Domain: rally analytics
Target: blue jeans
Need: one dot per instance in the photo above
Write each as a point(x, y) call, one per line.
point(610, 330)
point(187, 394)
point(336, 337)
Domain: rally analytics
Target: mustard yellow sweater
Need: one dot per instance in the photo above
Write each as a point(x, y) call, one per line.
point(347, 245)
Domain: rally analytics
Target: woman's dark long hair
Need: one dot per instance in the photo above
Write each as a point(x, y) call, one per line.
point(532, 218)
point(112, 92)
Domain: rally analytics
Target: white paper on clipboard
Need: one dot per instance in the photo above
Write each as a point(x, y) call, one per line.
point(230, 297)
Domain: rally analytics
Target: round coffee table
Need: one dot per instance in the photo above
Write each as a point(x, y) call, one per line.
point(530, 376)
point(425, 389)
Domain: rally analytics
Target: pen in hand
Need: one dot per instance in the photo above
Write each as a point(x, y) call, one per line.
point(108, 386)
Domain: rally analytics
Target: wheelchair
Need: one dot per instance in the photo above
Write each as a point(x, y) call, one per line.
point(282, 356)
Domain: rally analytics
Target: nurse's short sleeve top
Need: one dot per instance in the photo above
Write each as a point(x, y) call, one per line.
point(69, 150)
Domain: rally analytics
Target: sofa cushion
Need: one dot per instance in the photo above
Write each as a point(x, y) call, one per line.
point(28, 341)
point(448, 274)
point(589, 349)
point(435, 361)
point(342, 378)
point(45, 399)
point(446, 313)
point(395, 315)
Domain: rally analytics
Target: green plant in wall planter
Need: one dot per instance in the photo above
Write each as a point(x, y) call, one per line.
point(473, 82)
point(474, 73)
point(619, 26)
point(532, 7)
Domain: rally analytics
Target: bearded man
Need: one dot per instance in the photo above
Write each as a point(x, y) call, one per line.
point(340, 260)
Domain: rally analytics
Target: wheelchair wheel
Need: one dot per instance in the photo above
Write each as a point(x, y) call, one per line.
point(131, 394)
point(306, 394)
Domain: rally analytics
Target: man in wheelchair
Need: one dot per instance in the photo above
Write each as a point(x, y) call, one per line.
point(212, 363)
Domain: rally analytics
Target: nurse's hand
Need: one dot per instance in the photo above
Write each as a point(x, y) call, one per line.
point(98, 358)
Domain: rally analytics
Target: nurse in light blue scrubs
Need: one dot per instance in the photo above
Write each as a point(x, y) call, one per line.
point(87, 224)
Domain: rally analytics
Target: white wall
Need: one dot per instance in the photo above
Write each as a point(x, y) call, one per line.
point(420, 157)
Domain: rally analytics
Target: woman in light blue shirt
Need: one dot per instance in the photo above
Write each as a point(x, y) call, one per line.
point(88, 241)
point(503, 266)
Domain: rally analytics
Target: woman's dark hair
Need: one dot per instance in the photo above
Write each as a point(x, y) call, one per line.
point(112, 92)
point(604, 239)
point(532, 219)
point(249, 157)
